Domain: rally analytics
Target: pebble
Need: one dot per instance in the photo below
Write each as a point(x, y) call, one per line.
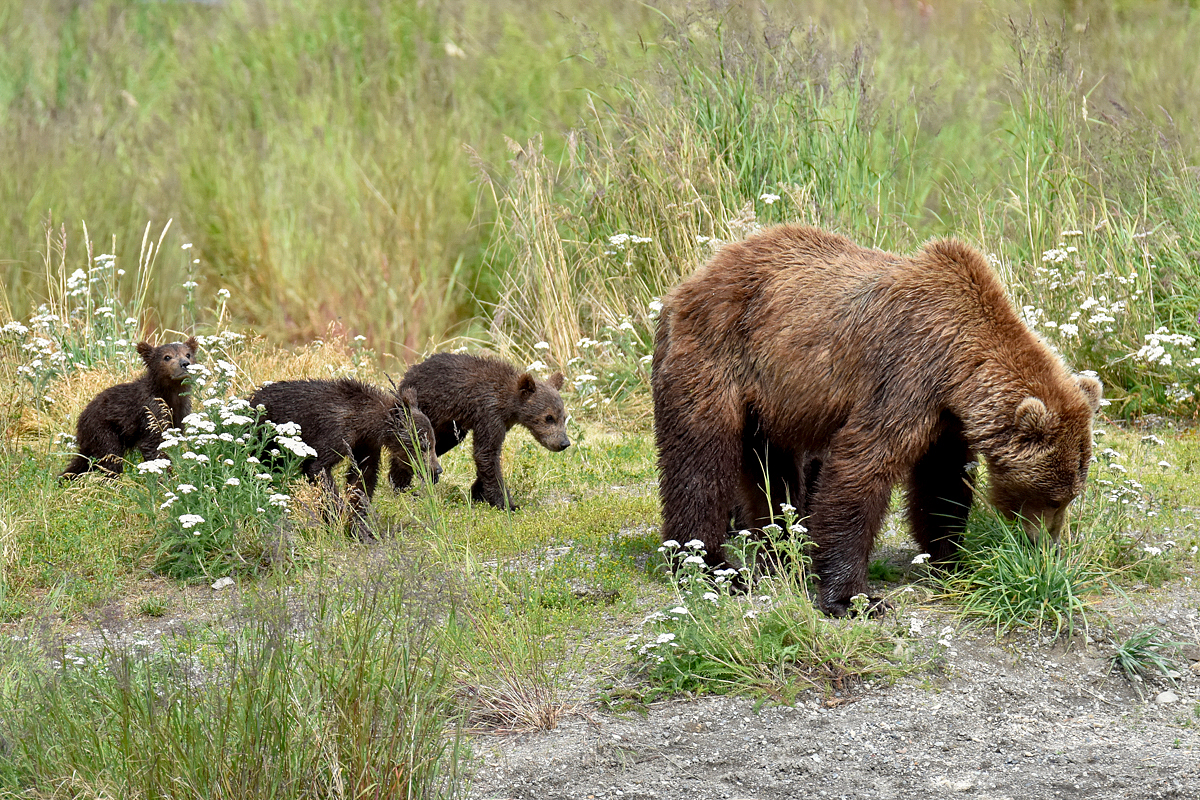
point(1167, 697)
point(221, 583)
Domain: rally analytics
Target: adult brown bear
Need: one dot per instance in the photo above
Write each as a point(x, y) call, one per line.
point(842, 371)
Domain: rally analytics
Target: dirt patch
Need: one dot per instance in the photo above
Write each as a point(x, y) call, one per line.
point(1015, 719)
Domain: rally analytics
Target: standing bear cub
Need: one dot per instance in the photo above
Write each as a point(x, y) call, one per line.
point(134, 415)
point(346, 418)
point(465, 393)
point(797, 363)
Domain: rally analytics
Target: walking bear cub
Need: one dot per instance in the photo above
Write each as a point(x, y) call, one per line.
point(845, 371)
point(465, 393)
point(132, 416)
point(346, 418)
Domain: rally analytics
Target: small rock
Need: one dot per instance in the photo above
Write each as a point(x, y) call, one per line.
point(1166, 697)
point(221, 583)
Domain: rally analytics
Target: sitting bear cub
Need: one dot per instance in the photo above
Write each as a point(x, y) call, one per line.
point(132, 416)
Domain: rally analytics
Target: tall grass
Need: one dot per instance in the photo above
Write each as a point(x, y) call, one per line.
point(342, 695)
point(314, 153)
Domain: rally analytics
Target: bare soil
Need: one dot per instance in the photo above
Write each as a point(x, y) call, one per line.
point(1015, 718)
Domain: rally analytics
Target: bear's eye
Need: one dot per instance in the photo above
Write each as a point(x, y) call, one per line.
point(550, 419)
point(166, 358)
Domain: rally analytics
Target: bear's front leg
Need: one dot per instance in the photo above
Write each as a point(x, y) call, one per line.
point(847, 512)
point(361, 479)
point(489, 480)
point(400, 472)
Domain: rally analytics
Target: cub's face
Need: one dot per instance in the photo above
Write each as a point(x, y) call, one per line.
point(1046, 464)
point(542, 411)
point(169, 361)
point(413, 435)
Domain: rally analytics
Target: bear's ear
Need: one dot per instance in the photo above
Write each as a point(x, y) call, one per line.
point(555, 380)
point(192, 344)
point(526, 385)
point(408, 397)
point(1033, 418)
point(1092, 390)
point(144, 350)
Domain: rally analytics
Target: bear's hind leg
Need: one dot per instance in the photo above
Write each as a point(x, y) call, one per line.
point(940, 490)
point(700, 475)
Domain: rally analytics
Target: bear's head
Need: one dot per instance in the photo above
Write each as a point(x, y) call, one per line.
point(540, 409)
point(1045, 463)
point(412, 435)
point(168, 363)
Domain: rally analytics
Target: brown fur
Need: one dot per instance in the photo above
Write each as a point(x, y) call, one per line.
point(846, 371)
point(465, 393)
point(132, 416)
point(347, 418)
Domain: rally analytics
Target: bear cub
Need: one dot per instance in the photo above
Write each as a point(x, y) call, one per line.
point(133, 415)
point(346, 418)
point(465, 393)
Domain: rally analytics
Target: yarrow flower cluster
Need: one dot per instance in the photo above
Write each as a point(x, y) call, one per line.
point(215, 491)
point(622, 240)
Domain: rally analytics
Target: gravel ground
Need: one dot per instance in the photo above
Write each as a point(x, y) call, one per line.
point(1010, 719)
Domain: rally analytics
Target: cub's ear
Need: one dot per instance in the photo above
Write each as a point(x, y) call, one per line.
point(1092, 390)
point(1033, 418)
point(555, 380)
point(192, 344)
point(526, 385)
point(408, 397)
point(144, 350)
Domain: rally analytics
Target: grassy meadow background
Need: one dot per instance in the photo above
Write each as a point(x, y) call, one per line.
point(337, 188)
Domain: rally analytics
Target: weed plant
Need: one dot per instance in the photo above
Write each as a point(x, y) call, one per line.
point(215, 504)
point(1144, 653)
point(343, 693)
point(1008, 582)
point(769, 641)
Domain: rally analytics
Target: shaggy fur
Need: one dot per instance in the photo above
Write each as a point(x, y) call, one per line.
point(347, 418)
point(468, 393)
point(845, 371)
point(132, 416)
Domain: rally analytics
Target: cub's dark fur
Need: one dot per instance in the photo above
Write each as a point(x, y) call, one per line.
point(465, 393)
point(133, 415)
point(347, 418)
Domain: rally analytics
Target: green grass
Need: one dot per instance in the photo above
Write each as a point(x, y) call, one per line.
point(416, 171)
point(344, 694)
point(494, 176)
point(1008, 582)
point(1142, 654)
